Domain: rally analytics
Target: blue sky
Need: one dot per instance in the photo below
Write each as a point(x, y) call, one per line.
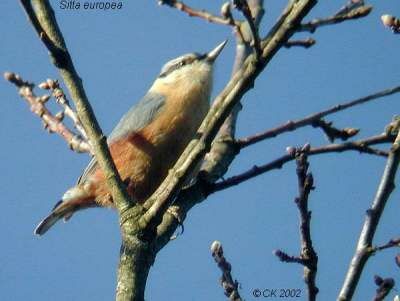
point(118, 54)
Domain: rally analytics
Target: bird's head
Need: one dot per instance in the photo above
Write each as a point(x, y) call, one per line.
point(190, 69)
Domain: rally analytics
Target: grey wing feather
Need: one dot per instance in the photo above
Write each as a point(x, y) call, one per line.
point(138, 117)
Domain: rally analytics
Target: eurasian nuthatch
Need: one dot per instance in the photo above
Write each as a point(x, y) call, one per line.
point(149, 138)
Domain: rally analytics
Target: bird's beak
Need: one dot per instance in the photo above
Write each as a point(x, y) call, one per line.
point(213, 54)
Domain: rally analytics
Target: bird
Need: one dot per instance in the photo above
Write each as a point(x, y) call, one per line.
point(149, 138)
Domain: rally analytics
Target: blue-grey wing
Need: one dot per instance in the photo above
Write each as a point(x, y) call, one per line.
point(138, 117)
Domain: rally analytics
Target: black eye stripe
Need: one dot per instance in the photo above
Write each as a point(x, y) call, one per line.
point(184, 61)
point(175, 67)
point(171, 69)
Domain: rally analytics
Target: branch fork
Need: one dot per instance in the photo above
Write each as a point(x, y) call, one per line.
point(52, 123)
point(308, 257)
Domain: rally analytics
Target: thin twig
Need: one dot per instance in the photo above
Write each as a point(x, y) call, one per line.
point(332, 132)
point(385, 285)
point(52, 123)
point(243, 6)
point(373, 216)
point(226, 17)
point(230, 286)
point(226, 13)
point(335, 19)
point(284, 257)
point(62, 100)
point(308, 257)
point(349, 6)
point(362, 146)
point(293, 125)
point(307, 43)
point(192, 12)
point(308, 254)
point(395, 242)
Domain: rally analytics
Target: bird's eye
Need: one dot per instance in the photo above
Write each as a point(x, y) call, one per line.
point(182, 63)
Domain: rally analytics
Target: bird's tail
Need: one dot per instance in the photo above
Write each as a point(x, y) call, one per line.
point(73, 200)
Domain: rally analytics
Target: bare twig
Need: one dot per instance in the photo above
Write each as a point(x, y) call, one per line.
point(284, 257)
point(353, 14)
point(385, 285)
point(195, 194)
point(243, 6)
point(362, 146)
point(293, 125)
point(349, 6)
point(62, 100)
point(308, 257)
point(230, 286)
point(192, 12)
point(395, 242)
point(307, 43)
point(226, 17)
point(226, 13)
point(392, 22)
point(332, 132)
point(51, 123)
point(308, 254)
point(373, 216)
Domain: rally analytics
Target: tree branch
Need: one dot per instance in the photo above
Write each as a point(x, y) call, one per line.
point(241, 82)
point(349, 6)
point(307, 43)
point(362, 146)
point(44, 22)
point(226, 17)
point(353, 14)
point(230, 286)
point(308, 257)
point(372, 219)
point(395, 242)
point(332, 132)
point(384, 287)
point(62, 100)
point(293, 125)
point(192, 12)
point(243, 6)
point(195, 194)
point(308, 254)
point(52, 123)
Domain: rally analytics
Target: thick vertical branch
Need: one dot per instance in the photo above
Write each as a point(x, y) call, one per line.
point(136, 257)
point(371, 222)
